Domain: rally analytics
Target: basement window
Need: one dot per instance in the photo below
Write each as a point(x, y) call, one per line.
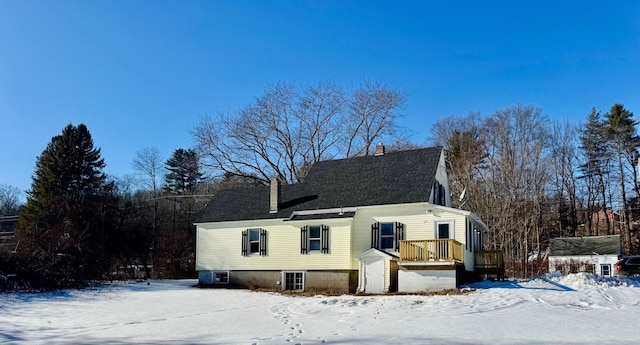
point(221, 277)
point(293, 281)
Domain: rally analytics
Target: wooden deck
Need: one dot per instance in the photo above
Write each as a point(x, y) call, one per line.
point(431, 251)
point(490, 263)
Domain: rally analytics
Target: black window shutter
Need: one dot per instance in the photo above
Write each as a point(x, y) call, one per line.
point(304, 240)
point(375, 235)
point(263, 242)
point(325, 239)
point(245, 242)
point(399, 235)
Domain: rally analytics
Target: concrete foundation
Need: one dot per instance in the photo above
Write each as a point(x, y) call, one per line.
point(321, 281)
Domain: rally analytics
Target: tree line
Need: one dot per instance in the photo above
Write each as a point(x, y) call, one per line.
point(528, 177)
point(531, 178)
point(79, 225)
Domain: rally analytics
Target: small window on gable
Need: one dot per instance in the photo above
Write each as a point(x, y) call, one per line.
point(314, 238)
point(254, 241)
point(439, 193)
point(387, 236)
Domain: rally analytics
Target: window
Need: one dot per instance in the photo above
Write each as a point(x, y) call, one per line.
point(605, 270)
point(439, 194)
point(293, 281)
point(314, 239)
point(444, 230)
point(468, 236)
point(574, 266)
point(387, 236)
point(472, 232)
point(590, 268)
point(221, 277)
point(254, 241)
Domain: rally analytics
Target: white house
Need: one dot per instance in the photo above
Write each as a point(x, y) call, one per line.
point(369, 224)
point(591, 254)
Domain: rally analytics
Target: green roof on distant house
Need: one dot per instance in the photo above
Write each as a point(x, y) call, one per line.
point(590, 245)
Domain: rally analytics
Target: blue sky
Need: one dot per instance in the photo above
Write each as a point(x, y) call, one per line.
point(142, 73)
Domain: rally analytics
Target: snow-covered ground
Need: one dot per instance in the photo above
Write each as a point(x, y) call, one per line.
point(576, 309)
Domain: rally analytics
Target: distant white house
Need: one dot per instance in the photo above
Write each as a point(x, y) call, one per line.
point(591, 254)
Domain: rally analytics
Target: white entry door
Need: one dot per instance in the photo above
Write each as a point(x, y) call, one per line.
point(374, 275)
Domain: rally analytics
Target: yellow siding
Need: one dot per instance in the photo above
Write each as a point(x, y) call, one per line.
point(419, 224)
point(219, 246)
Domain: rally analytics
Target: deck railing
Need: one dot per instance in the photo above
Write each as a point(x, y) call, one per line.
point(490, 262)
point(431, 250)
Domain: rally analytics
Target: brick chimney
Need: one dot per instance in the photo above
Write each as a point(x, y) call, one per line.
point(274, 196)
point(379, 149)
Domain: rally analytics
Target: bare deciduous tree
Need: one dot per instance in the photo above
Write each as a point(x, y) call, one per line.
point(287, 129)
point(501, 162)
point(373, 111)
point(9, 200)
point(149, 164)
point(319, 109)
point(466, 152)
point(517, 138)
point(565, 160)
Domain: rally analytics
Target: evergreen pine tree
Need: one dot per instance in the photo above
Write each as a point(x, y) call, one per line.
point(184, 172)
point(595, 169)
point(620, 131)
point(67, 217)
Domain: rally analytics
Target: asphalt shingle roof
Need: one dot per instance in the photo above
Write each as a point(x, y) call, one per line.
point(593, 245)
point(392, 178)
